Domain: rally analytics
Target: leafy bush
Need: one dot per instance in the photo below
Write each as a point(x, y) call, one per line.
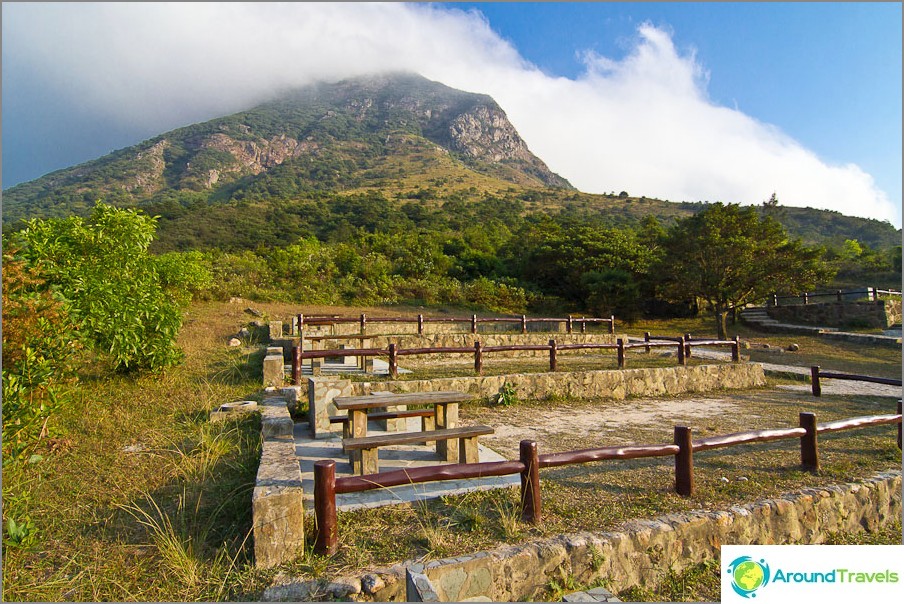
point(113, 287)
point(506, 396)
point(38, 346)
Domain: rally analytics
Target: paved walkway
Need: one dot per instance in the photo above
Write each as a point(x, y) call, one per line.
point(757, 317)
point(395, 457)
point(828, 385)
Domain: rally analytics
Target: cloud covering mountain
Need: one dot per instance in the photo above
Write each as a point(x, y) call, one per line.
point(642, 123)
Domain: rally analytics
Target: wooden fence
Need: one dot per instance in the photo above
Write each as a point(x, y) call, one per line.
point(327, 486)
point(363, 320)
point(870, 293)
point(393, 352)
point(816, 374)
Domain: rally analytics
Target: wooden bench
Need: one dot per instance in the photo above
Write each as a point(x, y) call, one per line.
point(370, 445)
point(428, 419)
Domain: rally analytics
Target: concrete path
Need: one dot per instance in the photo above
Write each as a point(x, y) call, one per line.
point(828, 385)
point(758, 318)
point(310, 450)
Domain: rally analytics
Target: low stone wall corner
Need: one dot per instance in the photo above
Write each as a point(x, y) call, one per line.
point(277, 503)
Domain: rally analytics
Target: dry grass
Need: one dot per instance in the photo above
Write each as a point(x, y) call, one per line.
point(138, 497)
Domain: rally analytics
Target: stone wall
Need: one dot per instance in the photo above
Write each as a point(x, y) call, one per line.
point(463, 327)
point(637, 553)
point(614, 384)
point(277, 502)
point(880, 313)
point(456, 340)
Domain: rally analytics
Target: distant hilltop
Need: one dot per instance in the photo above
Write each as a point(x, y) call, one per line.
point(320, 137)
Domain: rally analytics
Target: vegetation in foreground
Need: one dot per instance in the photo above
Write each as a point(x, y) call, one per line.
point(115, 484)
point(136, 496)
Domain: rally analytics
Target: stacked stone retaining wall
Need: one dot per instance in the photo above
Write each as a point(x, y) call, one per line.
point(614, 384)
point(277, 502)
point(879, 313)
point(638, 553)
point(456, 340)
point(464, 327)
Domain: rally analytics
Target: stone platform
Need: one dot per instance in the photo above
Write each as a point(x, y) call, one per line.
point(308, 450)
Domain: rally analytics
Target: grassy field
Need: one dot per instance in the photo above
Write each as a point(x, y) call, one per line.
point(136, 496)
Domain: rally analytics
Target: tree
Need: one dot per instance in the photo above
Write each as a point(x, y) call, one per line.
point(112, 287)
point(729, 256)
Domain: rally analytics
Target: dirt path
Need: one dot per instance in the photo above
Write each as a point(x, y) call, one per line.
point(560, 426)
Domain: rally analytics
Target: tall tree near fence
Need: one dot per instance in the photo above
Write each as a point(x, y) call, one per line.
point(729, 256)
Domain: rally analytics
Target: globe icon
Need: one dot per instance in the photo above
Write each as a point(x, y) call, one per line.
point(748, 575)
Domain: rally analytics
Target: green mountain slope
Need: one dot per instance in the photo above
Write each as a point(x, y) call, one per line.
point(394, 144)
point(325, 137)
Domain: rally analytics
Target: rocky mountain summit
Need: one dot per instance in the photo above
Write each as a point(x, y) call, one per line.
point(327, 136)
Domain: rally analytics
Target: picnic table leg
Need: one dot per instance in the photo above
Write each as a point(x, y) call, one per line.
point(468, 451)
point(447, 417)
point(357, 419)
point(428, 423)
point(369, 461)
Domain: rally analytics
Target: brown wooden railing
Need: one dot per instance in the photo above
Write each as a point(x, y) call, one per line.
point(363, 320)
point(393, 352)
point(870, 293)
point(327, 486)
point(816, 373)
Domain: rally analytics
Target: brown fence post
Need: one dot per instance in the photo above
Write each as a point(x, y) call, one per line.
point(899, 424)
point(687, 345)
point(296, 365)
point(393, 361)
point(809, 452)
point(736, 350)
point(681, 359)
point(473, 323)
point(684, 462)
point(611, 324)
point(420, 325)
point(553, 357)
point(478, 358)
point(363, 323)
point(300, 320)
point(774, 299)
point(621, 353)
point(814, 380)
point(569, 324)
point(838, 293)
point(523, 324)
point(646, 338)
point(875, 294)
point(583, 325)
point(327, 540)
point(530, 482)
point(805, 297)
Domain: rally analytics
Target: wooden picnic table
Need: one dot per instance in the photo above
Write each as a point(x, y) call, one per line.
point(445, 405)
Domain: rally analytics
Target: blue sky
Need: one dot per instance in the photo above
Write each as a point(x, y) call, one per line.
point(682, 101)
point(827, 73)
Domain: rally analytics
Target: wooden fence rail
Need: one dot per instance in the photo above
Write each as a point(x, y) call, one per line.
point(816, 374)
point(327, 486)
point(870, 293)
point(301, 320)
point(478, 350)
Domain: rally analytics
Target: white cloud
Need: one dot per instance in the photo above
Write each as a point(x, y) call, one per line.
point(643, 123)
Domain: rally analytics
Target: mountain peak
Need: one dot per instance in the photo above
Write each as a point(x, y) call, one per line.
point(325, 137)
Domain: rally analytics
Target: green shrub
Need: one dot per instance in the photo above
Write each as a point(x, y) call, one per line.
point(38, 347)
point(113, 287)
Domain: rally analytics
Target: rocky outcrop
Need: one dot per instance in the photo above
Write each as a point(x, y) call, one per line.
point(151, 164)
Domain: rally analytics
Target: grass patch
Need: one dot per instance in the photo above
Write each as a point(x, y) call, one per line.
point(140, 497)
point(137, 497)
